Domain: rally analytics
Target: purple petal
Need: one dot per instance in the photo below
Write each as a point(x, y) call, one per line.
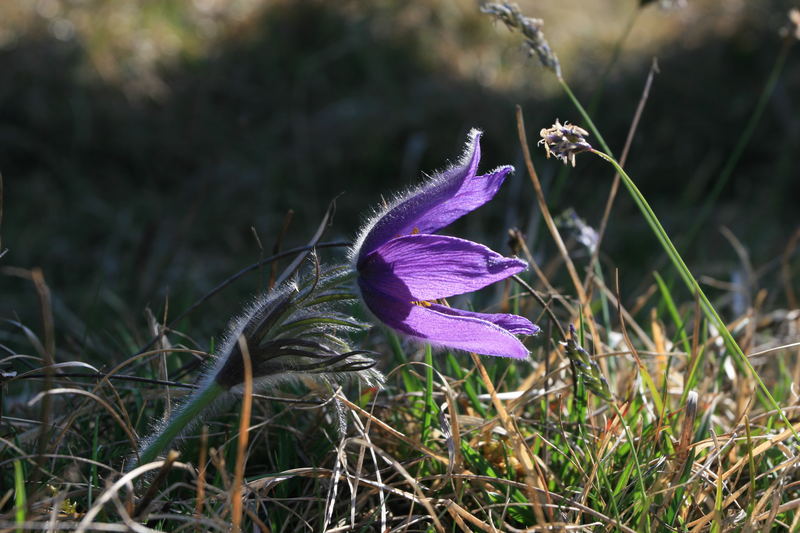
point(443, 329)
point(426, 267)
point(438, 202)
point(515, 324)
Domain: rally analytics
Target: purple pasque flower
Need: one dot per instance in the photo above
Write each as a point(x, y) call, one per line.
point(403, 266)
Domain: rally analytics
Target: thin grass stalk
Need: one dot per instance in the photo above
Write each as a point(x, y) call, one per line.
point(46, 308)
point(457, 464)
point(260, 246)
point(469, 388)
point(537, 186)
point(20, 503)
point(696, 354)
point(150, 495)
point(93, 479)
point(691, 282)
point(533, 478)
point(427, 419)
point(640, 366)
point(112, 492)
point(751, 467)
point(303, 250)
point(585, 115)
point(719, 487)
point(393, 432)
point(612, 194)
point(672, 309)
point(106, 380)
point(639, 476)
point(241, 448)
point(258, 523)
point(287, 220)
point(588, 120)
point(201, 476)
point(421, 498)
point(598, 473)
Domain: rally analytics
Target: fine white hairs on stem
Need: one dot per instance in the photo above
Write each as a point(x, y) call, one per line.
point(295, 331)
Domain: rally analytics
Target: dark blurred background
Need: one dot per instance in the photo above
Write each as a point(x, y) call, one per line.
point(140, 142)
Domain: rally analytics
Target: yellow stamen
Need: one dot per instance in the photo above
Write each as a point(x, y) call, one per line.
point(421, 303)
point(414, 231)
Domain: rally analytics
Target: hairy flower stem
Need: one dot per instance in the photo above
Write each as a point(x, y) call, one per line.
point(295, 329)
point(691, 282)
point(187, 414)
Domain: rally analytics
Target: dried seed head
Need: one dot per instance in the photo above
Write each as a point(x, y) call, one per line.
point(531, 28)
point(792, 29)
point(564, 141)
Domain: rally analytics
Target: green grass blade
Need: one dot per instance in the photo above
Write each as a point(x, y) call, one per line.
point(584, 115)
point(645, 498)
point(430, 406)
point(20, 500)
point(692, 284)
point(666, 297)
point(469, 384)
point(410, 382)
